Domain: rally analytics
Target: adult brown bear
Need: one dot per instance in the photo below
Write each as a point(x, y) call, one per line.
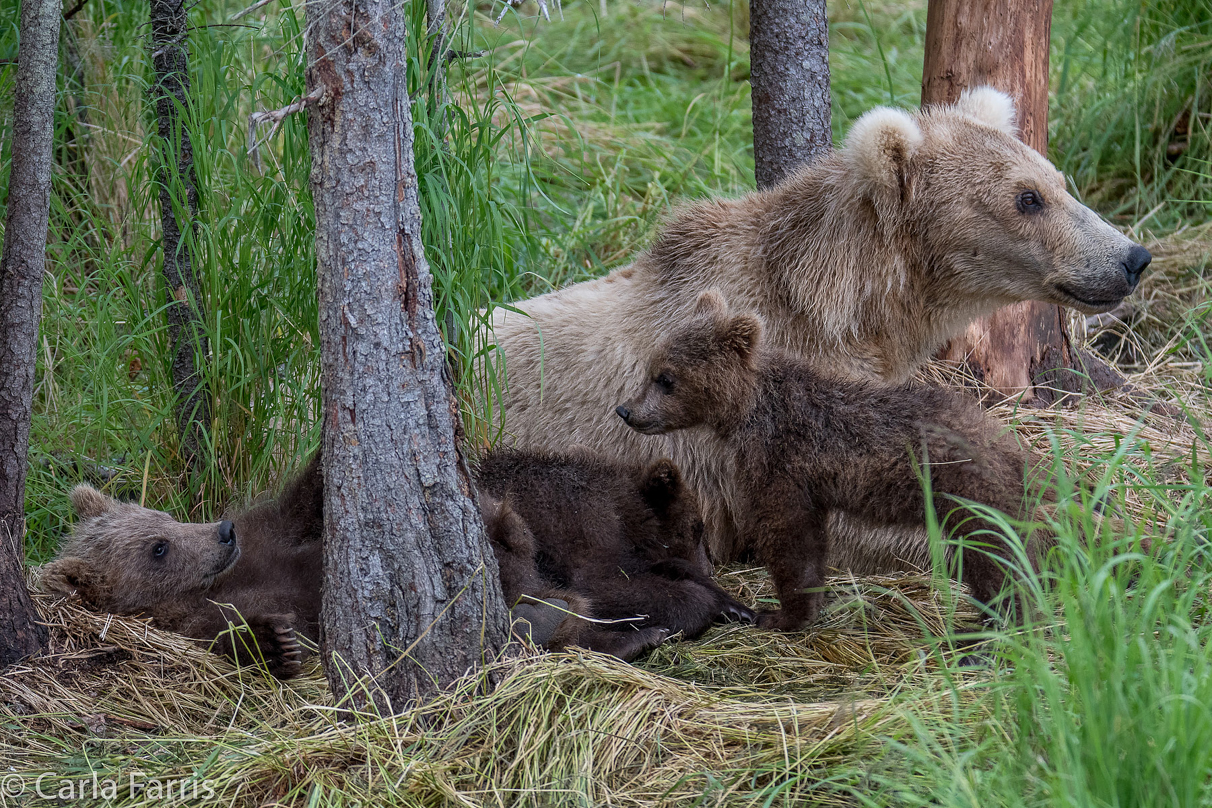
point(863, 263)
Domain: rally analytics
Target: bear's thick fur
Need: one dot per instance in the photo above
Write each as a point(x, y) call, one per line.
point(805, 445)
point(622, 543)
point(594, 539)
point(863, 263)
point(261, 571)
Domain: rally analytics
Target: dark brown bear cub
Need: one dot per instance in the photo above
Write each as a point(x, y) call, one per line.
point(624, 543)
point(805, 445)
point(263, 566)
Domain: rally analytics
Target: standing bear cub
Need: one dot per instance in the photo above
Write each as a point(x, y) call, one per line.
point(805, 446)
point(259, 572)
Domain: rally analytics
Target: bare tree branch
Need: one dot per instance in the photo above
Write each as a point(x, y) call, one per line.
point(276, 117)
point(249, 10)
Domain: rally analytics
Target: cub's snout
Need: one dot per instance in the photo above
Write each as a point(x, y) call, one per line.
point(228, 551)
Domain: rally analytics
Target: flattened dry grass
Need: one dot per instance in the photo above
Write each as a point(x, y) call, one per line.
point(739, 715)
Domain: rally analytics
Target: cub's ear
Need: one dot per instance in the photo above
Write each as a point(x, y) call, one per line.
point(989, 106)
point(662, 485)
point(507, 531)
point(742, 334)
point(66, 575)
point(711, 303)
point(89, 502)
point(879, 148)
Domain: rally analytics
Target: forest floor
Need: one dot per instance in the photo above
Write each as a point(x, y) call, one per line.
point(577, 136)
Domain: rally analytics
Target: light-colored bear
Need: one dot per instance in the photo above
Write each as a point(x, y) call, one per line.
point(864, 262)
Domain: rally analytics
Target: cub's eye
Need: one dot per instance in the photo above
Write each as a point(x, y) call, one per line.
point(665, 382)
point(159, 549)
point(1029, 202)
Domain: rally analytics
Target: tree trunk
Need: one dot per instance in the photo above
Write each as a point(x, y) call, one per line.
point(1023, 347)
point(411, 595)
point(22, 263)
point(190, 348)
point(789, 75)
point(75, 138)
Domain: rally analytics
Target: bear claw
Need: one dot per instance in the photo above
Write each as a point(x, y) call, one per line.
point(735, 612)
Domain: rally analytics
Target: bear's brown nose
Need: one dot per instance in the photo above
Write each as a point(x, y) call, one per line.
point(1138, 258)
point(227, 532)
point(623, 412)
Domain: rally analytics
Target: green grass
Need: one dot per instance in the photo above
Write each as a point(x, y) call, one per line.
point(1103, 703)
point(560, 147)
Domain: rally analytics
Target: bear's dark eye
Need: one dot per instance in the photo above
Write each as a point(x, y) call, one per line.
point(665, 382)
point(159, 549)
point(1029, 202)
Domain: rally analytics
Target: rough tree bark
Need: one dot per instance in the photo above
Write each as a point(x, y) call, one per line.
point(411, 596)
point(1004, 43)
point(789, 75)
point(21, 266)
point(189, 345)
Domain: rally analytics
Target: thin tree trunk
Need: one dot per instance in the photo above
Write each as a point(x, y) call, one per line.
point(75, 136)
point(411, 596)
point(789, 74)
point(1003, 43)
point(435, 20)
point(22, 263)
point(189, 345)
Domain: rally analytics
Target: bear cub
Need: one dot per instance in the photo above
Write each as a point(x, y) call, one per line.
point(259, 571)
point(604, 541)
point(579, 542)
point(805, 445)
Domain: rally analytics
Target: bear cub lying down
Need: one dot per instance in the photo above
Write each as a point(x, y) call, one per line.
point(263, 565)
point(609, 541)
point(603, 541)
point(806, 445)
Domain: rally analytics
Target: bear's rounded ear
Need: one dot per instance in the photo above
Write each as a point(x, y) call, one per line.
point(711, 303)
point(989, 106)
point(662, 485)
point(505, 528)
point(89, 502)
point(742, 334)
point(879, 148)
point(66, 575)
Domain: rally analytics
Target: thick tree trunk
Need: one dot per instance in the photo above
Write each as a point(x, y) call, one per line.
point(789, 74)
point(21, 266)
point(189, 346)
point(411, 596)
point(1003, 43)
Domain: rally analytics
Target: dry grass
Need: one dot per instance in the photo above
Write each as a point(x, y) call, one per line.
point(711, 715)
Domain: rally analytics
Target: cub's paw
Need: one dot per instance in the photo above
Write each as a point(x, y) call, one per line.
point(634, 644)
point(275, 645)
point(285, 659)
point(539, 620)
point(734, 611)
